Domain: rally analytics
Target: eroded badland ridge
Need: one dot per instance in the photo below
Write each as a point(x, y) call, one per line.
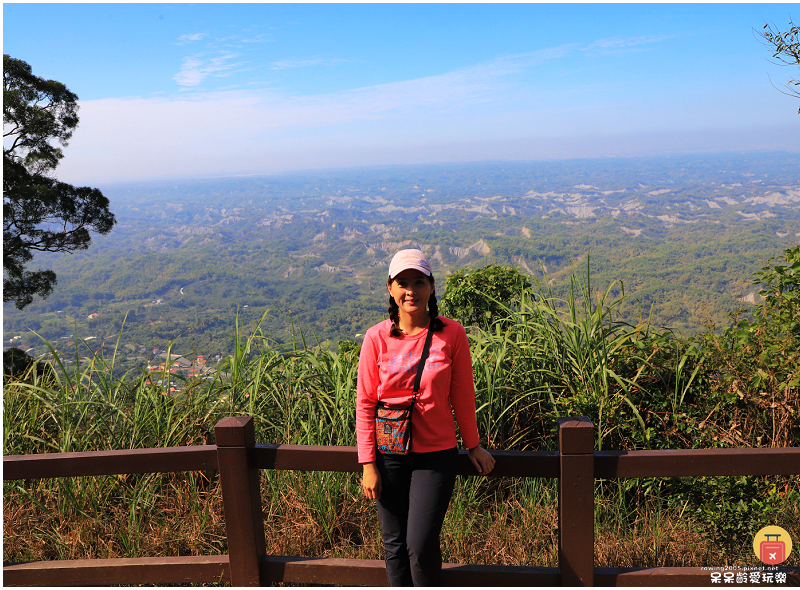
point(684, 234)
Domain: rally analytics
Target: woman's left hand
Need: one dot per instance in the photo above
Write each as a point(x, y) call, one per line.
point(482, 460)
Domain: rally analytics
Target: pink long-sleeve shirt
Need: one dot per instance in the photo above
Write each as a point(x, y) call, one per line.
point(386, 372)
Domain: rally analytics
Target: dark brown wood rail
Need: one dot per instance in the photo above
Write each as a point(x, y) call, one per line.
point(238, 458)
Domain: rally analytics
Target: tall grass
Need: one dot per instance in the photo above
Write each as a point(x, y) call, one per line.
point(576, 356)
point(642, 388)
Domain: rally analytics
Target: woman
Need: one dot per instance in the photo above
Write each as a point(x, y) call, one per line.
point(413, 490)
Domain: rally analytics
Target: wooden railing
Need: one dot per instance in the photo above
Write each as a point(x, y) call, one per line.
point(238, 459)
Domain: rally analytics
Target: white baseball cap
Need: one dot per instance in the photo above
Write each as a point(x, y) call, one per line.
point(406, 259)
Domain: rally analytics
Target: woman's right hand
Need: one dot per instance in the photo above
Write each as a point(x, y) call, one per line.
point(371, 481)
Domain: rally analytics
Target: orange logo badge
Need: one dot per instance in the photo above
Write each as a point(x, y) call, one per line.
point(772, 545)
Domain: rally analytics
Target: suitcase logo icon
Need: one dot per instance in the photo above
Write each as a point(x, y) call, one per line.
point(773, 552)
point(772, 545)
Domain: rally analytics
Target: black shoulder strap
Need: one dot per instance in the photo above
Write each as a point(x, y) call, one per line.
point(421, 366)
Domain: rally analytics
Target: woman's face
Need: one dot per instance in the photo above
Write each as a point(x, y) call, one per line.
point(411, 290)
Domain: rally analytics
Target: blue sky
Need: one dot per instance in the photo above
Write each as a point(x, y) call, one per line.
point(182, 90)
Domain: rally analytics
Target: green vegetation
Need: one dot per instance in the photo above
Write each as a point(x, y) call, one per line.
point(40, 214)
point(643, 387)
point(758, 359)
point(481, 297)
point(683, 235)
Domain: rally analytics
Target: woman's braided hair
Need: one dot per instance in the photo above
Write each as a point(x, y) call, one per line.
point(394, 315)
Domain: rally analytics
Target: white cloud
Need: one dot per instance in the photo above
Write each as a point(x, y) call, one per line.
point(455, 91)
point(480, 83)
point(184, 39)
point(261, 38)
point(617, 45)
point(294, 63)
point(480, 111)
point(197, 68)
point(304, 63)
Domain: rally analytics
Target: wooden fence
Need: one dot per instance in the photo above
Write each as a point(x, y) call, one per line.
point(238, 459)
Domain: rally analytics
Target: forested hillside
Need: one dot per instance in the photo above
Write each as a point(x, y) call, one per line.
point(684, 235)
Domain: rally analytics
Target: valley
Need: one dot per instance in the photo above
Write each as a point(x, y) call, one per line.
point(188, 259)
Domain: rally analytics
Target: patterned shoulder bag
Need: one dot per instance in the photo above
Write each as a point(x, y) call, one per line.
point(393, 425)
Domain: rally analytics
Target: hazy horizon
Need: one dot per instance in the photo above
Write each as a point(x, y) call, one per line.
point(190, 91)
point(389, 167)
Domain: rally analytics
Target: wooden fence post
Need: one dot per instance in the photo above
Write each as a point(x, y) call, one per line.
point(241, 499)
point(576, 501)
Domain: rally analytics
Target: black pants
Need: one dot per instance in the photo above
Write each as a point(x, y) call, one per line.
point(415, 492)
